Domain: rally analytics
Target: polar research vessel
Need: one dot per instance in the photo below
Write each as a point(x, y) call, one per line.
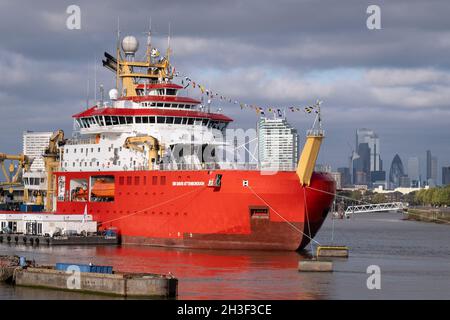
point(147, 163)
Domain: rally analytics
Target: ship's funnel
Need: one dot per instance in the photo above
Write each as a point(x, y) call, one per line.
point(308, 158)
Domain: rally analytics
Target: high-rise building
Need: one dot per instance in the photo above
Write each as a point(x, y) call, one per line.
point(396, 173)
point(346, 178)
point(278, 144)
point(361, 165)
point(432, 169)
point(35, 180)
point(414, 170)
point(338, 178)
point(445, 176)
point(34, 145)
point(371, 138)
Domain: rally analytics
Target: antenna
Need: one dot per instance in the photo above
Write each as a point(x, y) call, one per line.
point(149, 40)
point(102, 91)
point(118, 54)
point(95, 81)
point(168, 44)
point(87, 94)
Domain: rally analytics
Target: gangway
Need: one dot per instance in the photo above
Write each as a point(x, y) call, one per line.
point(379, 207)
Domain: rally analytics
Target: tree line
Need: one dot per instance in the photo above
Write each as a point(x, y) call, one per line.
point(439, 196)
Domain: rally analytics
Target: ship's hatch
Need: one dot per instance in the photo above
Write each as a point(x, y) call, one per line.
point(259, 212)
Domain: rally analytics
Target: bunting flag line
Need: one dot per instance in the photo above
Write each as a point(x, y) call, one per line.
point(261, 111)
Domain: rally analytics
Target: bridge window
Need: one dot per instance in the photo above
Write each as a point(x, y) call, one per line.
point(115, 120)
point(108, 120)
point(171, 92)
point(160, 119)
point(178, 120)
point(169, 120)
point(190, 121)
point(129, 120)
point(160, 104)
point(138, 119)
point(144, 119)
point(122, 120)
point(151, 119)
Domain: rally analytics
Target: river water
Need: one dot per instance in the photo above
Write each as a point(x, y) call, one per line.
point(414, 259)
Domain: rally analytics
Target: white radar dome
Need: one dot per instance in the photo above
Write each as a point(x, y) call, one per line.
point(130, 45)
point(113, 94)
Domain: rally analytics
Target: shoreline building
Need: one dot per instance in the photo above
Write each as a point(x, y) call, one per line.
point(278, 145)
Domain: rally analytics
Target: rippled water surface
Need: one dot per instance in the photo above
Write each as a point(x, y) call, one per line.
point(414, 258)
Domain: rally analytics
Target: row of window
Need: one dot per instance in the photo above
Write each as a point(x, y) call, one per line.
point(166, 105)
point(158, 92)
point(137, 180)
point(123, 120)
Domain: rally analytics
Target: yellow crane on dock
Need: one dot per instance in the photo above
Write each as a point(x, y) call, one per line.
point(24, 163)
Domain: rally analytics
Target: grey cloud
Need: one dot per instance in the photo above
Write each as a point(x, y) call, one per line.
point(242, 48)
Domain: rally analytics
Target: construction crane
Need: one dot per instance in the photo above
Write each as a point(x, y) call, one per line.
point(24, 163)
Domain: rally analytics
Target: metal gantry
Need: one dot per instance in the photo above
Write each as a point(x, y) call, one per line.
point(379, 207)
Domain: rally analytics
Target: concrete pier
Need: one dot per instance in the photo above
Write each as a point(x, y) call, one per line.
point(119, 284)
point(315, 266)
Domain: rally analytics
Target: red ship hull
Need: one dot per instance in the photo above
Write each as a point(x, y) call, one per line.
point(180, 209)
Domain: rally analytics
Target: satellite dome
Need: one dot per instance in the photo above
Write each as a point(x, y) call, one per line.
point(130, 45)
point(113, 94)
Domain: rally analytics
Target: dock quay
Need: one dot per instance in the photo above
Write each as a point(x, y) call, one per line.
point(428, 214)
point(53, 229)
point(89, 279)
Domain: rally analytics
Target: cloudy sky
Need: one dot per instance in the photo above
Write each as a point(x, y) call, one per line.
point(270, 53)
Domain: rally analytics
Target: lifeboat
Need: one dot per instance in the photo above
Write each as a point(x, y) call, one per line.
point(103, 188)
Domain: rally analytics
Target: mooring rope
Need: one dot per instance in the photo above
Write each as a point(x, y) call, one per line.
point(307, 217)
